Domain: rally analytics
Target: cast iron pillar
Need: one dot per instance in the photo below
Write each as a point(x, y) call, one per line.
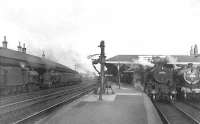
point(118, 69)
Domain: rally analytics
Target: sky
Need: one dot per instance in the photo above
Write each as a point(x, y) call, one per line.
point(70, 30)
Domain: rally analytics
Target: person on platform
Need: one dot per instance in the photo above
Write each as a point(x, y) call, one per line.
point(108, 85)
point(138, 85)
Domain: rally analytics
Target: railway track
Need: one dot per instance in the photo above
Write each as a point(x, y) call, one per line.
point(4, 100)
point(20, 103)
point(177, 113)
point(20, 112)
point(21, 97)
point(195, 105)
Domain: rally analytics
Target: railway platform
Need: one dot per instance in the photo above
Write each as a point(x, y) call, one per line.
point(126, 106)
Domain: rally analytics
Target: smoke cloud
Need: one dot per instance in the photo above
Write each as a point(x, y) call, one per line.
point(48, 30)
point(171, 59)
point(67, 57)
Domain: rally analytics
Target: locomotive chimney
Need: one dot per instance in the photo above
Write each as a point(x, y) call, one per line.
point(24, 48)
point(19, 47)
point(5, 43)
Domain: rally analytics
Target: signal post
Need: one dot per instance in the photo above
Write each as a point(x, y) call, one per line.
point(102, 71)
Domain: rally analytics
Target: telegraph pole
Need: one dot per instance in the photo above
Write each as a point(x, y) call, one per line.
point(102, 73)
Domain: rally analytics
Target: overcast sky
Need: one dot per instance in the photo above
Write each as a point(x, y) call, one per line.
point(70, 30)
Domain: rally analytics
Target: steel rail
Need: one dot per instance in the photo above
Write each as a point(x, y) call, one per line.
point(193, 105)
point(34, 92)
point(167, 120)
point(21, 104)
point(187, 114)
point(65, 100)
point(24, 96)
point(162, 115)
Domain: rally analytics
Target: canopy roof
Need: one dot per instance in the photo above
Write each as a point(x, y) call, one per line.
point(173, 59)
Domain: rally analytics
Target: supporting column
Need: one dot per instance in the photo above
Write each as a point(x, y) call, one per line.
point(118, 69)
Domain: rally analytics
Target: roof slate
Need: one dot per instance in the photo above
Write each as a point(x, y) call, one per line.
point(128, 58)
point(4, 52)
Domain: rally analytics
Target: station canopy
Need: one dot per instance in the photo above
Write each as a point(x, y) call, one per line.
point(146, 59)
point(131, 63)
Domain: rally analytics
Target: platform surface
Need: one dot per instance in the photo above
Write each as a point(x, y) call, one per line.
point(126, 106)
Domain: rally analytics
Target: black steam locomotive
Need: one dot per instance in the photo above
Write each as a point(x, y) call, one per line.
point(188, 78)
point(166, 81)
point(159, 84)
point(21, 72)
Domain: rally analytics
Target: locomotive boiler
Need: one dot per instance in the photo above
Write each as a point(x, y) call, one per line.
point(22, 72)
point(189, 81)
point(161, 86)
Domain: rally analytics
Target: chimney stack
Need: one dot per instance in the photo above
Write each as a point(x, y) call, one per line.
point(191, 51)
point(195, 50)
point(19, 47)
point(24, 48)
point(5, 43)
point(43, 55)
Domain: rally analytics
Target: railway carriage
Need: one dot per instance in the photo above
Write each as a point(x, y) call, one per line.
point(22, 72)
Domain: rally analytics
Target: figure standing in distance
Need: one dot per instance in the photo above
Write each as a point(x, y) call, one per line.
point(138, 85)
point(108, 85)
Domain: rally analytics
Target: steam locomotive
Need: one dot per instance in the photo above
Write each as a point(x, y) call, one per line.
point(169, 80)
point(161, 85)
point(21, 72)
point(189, 81)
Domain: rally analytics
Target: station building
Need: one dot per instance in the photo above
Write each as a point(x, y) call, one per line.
point(131, 68)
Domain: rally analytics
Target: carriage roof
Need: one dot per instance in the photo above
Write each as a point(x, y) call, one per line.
point(33, 60)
